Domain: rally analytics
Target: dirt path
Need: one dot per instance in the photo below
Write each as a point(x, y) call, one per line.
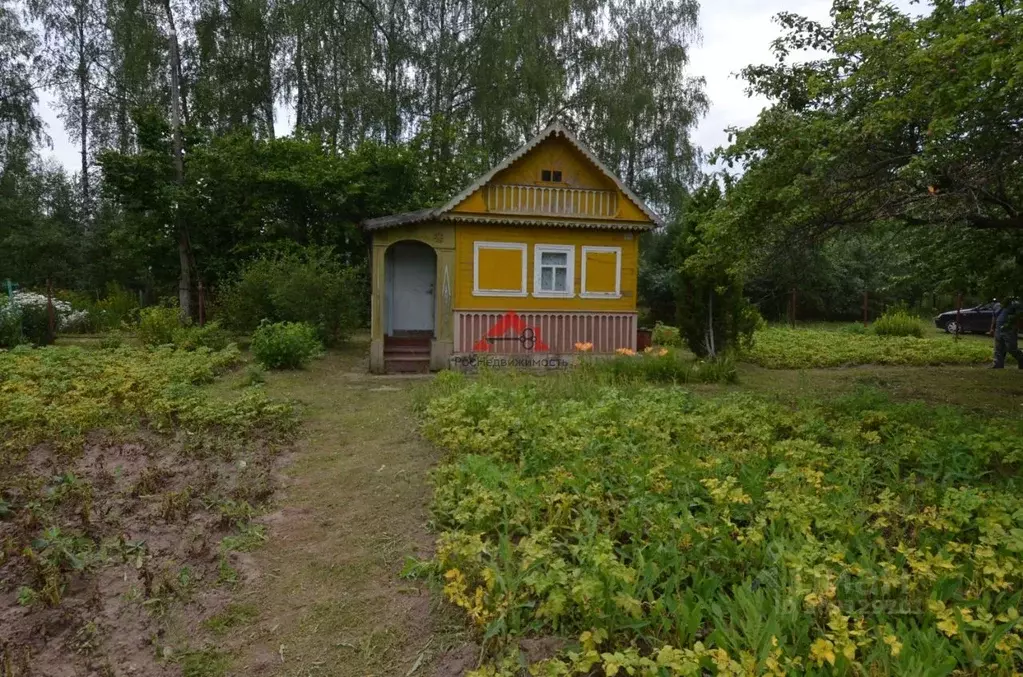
point(327, 589)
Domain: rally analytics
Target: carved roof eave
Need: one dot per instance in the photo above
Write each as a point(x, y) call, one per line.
point(557, 128)
point(531, 221)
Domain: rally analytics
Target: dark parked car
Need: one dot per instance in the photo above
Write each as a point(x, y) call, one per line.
point(972, 321)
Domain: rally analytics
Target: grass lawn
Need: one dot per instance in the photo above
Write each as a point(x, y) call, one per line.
point(317, 590)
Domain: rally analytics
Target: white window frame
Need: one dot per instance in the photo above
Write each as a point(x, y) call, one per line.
point(617, 293)
point(509, 293)
point(538, 252)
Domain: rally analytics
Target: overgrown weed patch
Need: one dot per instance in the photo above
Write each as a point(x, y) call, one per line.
point(127, 483)
point(666, 534)
point(786, 348)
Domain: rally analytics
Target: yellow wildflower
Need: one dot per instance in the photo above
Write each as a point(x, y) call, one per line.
point(822, 650)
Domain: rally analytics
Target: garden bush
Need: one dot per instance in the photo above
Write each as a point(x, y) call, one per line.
point(117, 308)
point(660, 366)
point(192, 337)
point(665, 335)
point(157, 325)
point(285, 345)
point(312, 286)
point(35, 324)
point(26, 319)
point(10, 324)
point(898, 323)
point(673, 535)
point(784, 348)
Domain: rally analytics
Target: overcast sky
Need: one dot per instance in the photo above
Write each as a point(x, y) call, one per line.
point(736, 33)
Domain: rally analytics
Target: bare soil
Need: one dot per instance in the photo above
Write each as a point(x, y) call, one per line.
point(114, 554)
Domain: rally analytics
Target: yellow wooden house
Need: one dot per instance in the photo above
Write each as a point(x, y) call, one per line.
point(538, 255)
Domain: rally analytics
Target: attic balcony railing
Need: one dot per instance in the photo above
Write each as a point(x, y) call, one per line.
point(552, 201)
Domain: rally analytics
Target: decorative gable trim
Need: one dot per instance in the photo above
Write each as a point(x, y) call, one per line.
point(553, 130)
point(556, 129)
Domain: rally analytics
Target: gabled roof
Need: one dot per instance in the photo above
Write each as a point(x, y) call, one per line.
point(556, 129)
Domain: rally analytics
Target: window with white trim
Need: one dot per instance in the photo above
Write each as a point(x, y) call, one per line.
point(602, 272)
point(554, 270)
point(499, 269)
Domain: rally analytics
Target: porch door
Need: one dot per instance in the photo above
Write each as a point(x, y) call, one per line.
point(412, 286)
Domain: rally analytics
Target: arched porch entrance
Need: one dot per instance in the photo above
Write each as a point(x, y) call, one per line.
point(410, 297)
point(412, 271)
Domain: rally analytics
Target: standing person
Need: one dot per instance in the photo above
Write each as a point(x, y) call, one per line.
point(1004, 327)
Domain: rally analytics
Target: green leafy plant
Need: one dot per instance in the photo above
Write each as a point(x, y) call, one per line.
point(665, 335)
point(10, 324)
point(117, 308)
point(192, 337)
point(157, 325)
point(661, 366)
point(35, 324)
point(898, 323)
point(784, 348)
point(311, 286)
point(285, 345)
point(677, 535)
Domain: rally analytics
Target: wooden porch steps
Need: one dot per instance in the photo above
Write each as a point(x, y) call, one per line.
point(407, 354)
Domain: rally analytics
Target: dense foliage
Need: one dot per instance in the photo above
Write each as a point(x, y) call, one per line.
point(678, 536)
point(882, 131)
point(285, 345)
point(784, 348)
point(310, 285)
point(390, 105)
point(657, 365)
point(898, 322)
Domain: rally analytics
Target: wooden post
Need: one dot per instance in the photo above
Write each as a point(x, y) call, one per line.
point(51, 319)
point(866, 308)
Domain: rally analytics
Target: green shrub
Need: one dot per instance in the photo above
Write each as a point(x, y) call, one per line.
point(157, 325)
point(10, 324)
point(312, 286)
point(898, 323)
point(254, 375)
point(667, 366)
point(111, 342)
point(35, 325)
point(117, 308)
point(211, 336)
point(665, 335)
point(285, 345)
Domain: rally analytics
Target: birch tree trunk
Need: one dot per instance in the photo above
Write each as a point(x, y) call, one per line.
point(184, 248)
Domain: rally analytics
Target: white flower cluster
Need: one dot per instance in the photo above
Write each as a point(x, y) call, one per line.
point(67, 317)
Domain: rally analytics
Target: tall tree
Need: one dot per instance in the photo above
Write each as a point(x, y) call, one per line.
point(75, 39)
point(19, 67)
point(915, 121)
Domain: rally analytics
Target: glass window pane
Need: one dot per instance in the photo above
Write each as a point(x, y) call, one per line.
point(554, 259)
point(560, 279)
point(547, 279)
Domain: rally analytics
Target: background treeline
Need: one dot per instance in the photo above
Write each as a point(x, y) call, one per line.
point(299, 118)
point(887, 162)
